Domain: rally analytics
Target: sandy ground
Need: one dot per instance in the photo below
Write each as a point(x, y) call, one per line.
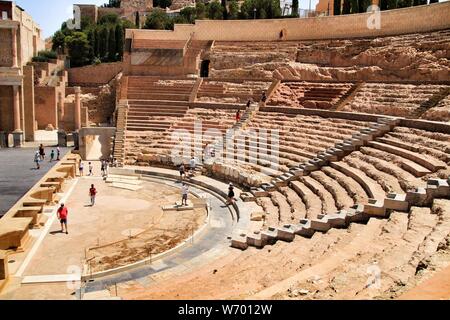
point(116, 214)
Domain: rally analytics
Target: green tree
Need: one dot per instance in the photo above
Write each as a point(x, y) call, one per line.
point(162, 3)
point(215, 10)
point(111, 18)
point(59, 41)
point(419, 2)
point(294, 12)
point(383, 4)
point(224, 9)
point(78, 46)
point(157, 19)
point(119, 41)
point(137, 20)
point(434, 1)
point(404, 3)
point(112, 4)
point(200, 10)
point(189, 14)
point(346, 7)
point(97, 42)
point(112, 45)
point(391, 4)
point(91, 39)
point(233, 11)
point(104, 41)
point(337, 7)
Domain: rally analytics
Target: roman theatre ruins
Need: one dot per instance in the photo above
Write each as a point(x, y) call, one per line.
point(341, 174)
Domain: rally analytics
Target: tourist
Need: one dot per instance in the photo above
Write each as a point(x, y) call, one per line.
point(37, 158)
point(103, 168)
point(62, 216)
point(182, 172)
point(52, 155)
point(263, 97)
point(238, 115)
point(115, 163)
point(192, 165)
point(90, 169)
point(81, 168)
point(92, 194)
point(42, 151)
point(106, 167)
point(249, 103)
point(184, 194)
point(58, 153)
point(230, 194)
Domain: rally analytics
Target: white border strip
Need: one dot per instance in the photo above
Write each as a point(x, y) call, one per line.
point(44, 232)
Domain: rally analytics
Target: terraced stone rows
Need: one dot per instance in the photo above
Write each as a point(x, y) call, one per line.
point(391, 99)
point(309, 95)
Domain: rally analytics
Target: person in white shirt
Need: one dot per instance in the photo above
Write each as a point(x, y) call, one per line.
point(192, 165)
point(184, 194)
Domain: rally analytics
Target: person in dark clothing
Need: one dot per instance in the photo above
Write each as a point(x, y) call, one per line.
point(230, 194)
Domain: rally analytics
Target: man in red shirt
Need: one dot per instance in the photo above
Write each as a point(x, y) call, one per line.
point(62, 216)
point(92, 193)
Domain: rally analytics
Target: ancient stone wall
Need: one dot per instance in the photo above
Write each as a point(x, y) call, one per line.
point(46, 106)
point(6, 109)
point(94, 75)
point(393, 22)
point(5, 48)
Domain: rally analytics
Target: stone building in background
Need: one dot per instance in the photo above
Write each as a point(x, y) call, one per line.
point(20, 40)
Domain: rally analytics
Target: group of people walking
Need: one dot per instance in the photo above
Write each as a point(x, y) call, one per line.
point(39, 156)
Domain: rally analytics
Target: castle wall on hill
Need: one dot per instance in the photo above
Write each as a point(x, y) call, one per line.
point(393, 22)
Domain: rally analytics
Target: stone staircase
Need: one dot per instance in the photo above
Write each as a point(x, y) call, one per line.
point(432, 102)
point(348, 96)
point(435, 188)
point(119, 140)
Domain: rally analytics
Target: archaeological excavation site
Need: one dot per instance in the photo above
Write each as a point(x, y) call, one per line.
point(298, 156)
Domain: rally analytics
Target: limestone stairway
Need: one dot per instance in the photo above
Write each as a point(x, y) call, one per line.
point(119, 141)
point(348, 96)
point(375, 208)
point(126, 182)
point(432, 102)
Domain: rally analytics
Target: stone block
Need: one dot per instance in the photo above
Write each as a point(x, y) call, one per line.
point(396, 202)
point(239, 241)
point(269, 236)
point(287, 232)
point(254, 239)
point(375, 208)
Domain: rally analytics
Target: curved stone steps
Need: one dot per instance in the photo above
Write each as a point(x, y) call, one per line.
point(372, 188)
point(428, 162)
point(437, 151)
point(284, 209)
point(271, 211)
point(328, 203)
point(441, 210)
point(312, 202)
point(351, 186)
point(406, 168)
point(389, 255)
point(341, 198)
point(320, 269)
point(405, 179)
point(387, 182)
point(298, 208)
